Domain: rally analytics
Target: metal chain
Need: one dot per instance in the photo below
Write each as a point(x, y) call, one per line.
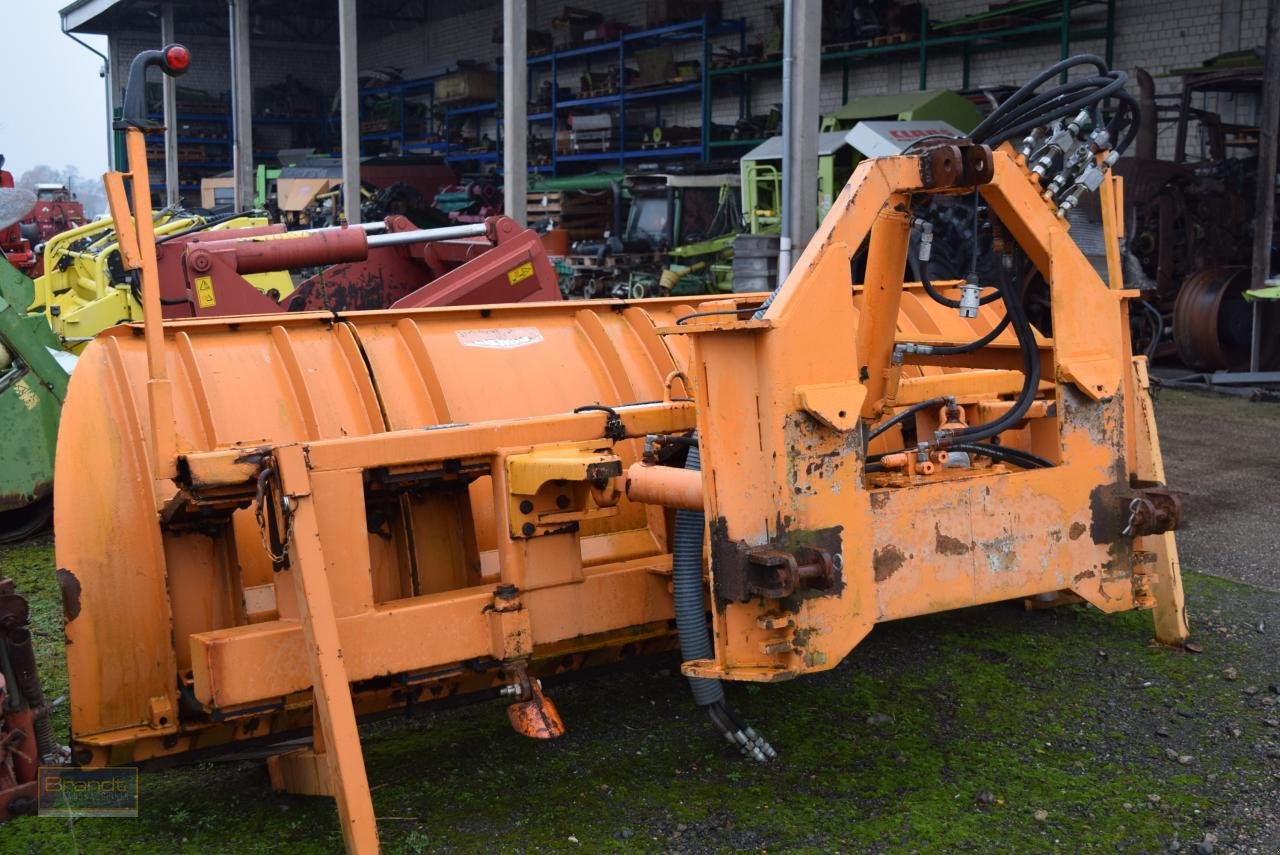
point(1133, 517)
point(264, 491)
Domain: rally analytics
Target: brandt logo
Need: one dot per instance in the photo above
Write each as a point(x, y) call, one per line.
point(501, 338)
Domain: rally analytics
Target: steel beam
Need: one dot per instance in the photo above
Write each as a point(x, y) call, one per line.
point(241, 104)
point(172, 195)
point(349, 87)
point(515, 107)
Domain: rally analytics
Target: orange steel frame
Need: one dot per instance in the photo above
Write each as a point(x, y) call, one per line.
point(780, 403)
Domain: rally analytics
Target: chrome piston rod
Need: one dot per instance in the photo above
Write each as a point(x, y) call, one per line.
point(425, 235)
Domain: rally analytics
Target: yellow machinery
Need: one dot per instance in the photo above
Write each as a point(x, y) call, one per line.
point(85, 288)
point(330, 516)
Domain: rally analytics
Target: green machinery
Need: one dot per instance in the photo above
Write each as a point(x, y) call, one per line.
point(924, 105)
point(912, 115)
point(34, 372)
point(762, 179)
point(679, 233)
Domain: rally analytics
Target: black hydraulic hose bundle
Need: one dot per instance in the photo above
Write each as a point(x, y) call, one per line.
point(1024, 109)
point(1006, 454)
point(688, 592)
point(1017, 315)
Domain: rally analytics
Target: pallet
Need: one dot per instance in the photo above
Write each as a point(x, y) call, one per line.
point(613, 261)
point(893, 39)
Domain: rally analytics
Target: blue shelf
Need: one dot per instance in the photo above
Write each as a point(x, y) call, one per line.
point(663, 91)
point(289, 120)
point(425, 147)
point(588, 102)
point(202, 141)
point(479, 156)
point(474, 108)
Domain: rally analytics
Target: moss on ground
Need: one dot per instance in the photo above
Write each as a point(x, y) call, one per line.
point(990, 730)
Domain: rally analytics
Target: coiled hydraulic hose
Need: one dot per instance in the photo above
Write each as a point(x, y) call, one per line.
point(691, 626)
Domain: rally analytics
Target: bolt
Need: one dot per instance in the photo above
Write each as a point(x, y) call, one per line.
point(562, 501)
point(526, 507)
point(527, 529)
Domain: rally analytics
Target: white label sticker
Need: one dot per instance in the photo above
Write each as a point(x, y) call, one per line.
point(500, 338)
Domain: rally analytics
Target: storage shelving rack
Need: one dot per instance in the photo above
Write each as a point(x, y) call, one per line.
point(404, 138)
point(972, 35)
point(1012, 26)
point(222, 143)
point(219, 146)
point(701, 31)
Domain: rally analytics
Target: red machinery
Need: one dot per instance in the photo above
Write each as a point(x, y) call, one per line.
point(15, 248)
point(54, 210)
point(26, 734)
point(497, 261)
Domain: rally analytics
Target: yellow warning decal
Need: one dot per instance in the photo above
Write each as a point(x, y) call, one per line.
point(204, 292)
point(521, 273)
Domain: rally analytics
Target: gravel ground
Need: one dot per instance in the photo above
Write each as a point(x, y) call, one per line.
point(1219, 451)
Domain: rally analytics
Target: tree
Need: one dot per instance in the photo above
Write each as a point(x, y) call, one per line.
point(88, 190)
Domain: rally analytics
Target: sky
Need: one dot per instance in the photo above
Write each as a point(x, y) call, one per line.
point(54, 109)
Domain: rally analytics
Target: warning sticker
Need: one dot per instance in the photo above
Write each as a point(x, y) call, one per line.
point(204, 292)
point(521, 273)
point(500, 338)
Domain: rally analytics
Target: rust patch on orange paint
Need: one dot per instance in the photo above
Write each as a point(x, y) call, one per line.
point(879, 500)
point(887, 561)
point(1000, 555)
point(70, 586)
point(1080, 577)
point(946, 545)
point(1077, 529)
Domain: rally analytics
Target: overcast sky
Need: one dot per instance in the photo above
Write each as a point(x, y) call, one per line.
point(53, 109)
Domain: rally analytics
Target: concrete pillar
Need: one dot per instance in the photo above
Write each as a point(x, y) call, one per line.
point(172, 194)
point(349, 87)
point(800, 110)
point(1229, 30)
point(241, 105)
point(1264, 202)
point(515, 108)
point(114, 73)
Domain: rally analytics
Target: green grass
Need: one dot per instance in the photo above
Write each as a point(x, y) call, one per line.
point(1050, 711)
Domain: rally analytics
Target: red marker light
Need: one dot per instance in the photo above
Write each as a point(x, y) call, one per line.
point(177, 57)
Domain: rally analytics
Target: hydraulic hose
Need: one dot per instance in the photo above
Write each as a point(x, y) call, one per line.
point(1031, 373)
point(938, 297)
point(1027, 89)
point(691, 626)
point(689, 593)
point(958, 349)
point(904, 415)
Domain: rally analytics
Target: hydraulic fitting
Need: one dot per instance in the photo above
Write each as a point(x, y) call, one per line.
point(970, 296)
point(925, 250)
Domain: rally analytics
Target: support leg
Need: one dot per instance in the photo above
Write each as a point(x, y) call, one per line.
point(334, 710)
point(1170, 608)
